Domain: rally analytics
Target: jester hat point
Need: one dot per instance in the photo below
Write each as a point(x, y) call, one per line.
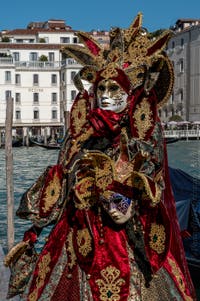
point(133, 59)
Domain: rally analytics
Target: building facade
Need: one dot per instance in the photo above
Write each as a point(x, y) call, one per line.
point(184, 51)
point(39, 79)
point(37, 76)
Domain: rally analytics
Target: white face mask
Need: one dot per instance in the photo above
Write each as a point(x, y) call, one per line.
point(110, 96)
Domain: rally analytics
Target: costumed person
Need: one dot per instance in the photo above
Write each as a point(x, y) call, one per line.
point(115, 234)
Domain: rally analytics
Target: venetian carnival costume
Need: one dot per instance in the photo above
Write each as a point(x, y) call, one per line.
point(108, 159)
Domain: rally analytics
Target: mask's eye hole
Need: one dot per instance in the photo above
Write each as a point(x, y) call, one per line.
point(114, 88)
point(101, 88)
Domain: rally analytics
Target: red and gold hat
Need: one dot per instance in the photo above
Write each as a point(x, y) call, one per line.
point(132, 58)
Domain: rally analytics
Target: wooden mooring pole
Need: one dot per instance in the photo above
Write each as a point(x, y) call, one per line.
point(9, 172)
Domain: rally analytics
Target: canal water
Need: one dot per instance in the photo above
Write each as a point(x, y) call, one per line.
point(30, 162)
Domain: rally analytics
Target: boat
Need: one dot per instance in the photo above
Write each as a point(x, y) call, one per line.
point(49, 145)
point(186, 189)
point(170, 140)
point(16, 142)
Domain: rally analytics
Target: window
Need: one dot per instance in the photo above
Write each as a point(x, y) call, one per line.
point(73, 73)
point(16, 56)
point(17, 98)
point(54, 98)
point(63, 95)
point(173, 44)
point(17, 79)
point(65, 40)
point(18, 114)
point(51, 56)
point(63, 77)
point(182, 42)
point(33, 56)
point(181, 66)
point(73, 94)
point(172, 97)
point(7, 94)
point(75, 40)
point(181, 95)
point(53, 79)
point(35, 114)
point(35, 79)
point(36, 98)
point(8, 76)
point(54, 114)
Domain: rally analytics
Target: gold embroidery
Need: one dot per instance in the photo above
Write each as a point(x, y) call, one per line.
point(84, 241)
point(79, 115)
point(109, 71)
point(110, 284)
point(143, 118)
point(155, 199)
point(42, 272)
point(76, 145)
point(52, 193)
point(84, 190)
point(178, 275)
point(157, 238)
point(123, 166)
point(70, 250)
point(104, 169)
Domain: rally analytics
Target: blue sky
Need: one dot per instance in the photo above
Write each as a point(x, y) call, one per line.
point(103, 14)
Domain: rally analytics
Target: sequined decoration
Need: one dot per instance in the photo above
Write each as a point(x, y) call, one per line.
point(143, 118)
point(157, 238)
point(110, 284)
point(52, 193)
point(42, 272)
point(84, 242)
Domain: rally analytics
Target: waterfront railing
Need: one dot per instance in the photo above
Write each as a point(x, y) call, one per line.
point(183, 134)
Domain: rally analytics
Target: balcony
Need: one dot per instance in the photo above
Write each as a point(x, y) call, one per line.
point(37, 65)
point(6, 61)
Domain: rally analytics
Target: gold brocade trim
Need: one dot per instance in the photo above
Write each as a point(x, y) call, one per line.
point(157, 238)
point(79, 115)
point(52, 193)
point(70, 250)
point(15, 252)
point(76, 145)
point(104, 169)
point(178, 275)
point(110, 284)
point(143, 118)
point(155, 199)
point(42, 272)
point(109, 71)
point(84, 192)
point(84, 241)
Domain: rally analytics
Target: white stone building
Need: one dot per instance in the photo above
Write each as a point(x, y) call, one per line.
point(184, 52)
point(34, 74)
